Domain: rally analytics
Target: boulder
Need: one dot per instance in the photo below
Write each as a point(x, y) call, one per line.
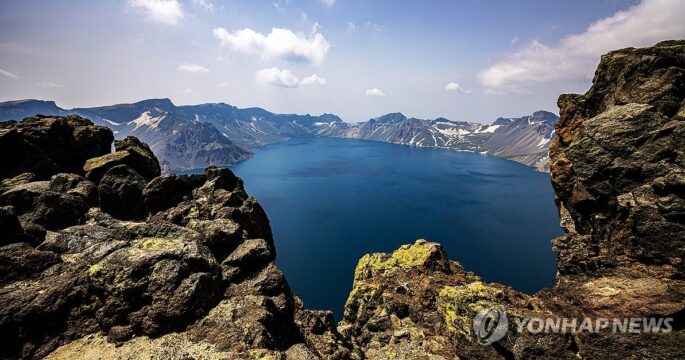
point(95, 168)
point(168, 190)
point(45, 145)
point(142, 160)
point(121, 193)
point(54, 204)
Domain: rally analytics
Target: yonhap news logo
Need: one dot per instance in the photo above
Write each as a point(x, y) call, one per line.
point(491, 325)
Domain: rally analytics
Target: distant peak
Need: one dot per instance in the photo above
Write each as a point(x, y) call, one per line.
point(161, 103)
point(28, 102)
point(391, 117)
point(541, 113)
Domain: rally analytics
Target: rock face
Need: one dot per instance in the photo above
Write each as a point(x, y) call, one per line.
point(166, 266)
point(617, 168)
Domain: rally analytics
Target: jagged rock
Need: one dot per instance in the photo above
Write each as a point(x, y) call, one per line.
point(60, 202)
point(618, 163)
point(169, 190)
point(21, 261)
point(121, 193)
point(416, 304)
point(142, 159)
point(95, 168)
point(130, 152)
point(45, 145)
point(198, 277)
point(20, 179)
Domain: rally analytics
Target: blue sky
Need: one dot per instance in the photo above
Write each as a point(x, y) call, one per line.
point(464, 60)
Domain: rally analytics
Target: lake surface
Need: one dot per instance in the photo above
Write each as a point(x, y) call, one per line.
point(330, 201)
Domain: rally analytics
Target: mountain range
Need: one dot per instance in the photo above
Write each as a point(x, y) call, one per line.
point(194, 136)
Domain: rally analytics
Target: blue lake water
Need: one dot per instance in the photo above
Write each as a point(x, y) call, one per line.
point(330, 201)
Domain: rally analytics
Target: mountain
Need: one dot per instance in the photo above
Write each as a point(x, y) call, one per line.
point(525, 139)
point(193, 136)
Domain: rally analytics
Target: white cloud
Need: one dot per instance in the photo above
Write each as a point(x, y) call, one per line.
point(280, 43)
point(313, 79)
point(328, 3)
point(284, 78)
point(373, 26)
point(452, 86)
point(375, 92)
point(163, 11)
point(208, 5)
point(224, 84)
point(351, 27)
point(8, 74)
point(49, 84)
point(577, 55)
point(193, 68)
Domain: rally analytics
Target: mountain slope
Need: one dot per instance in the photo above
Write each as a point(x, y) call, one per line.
point(194, 136)
point(525, 140)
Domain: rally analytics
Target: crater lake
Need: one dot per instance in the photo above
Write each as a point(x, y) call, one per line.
point(330, 201)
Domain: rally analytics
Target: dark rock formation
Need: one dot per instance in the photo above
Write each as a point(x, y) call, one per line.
point(121, 193)
point(45, 146)
point(168, 266)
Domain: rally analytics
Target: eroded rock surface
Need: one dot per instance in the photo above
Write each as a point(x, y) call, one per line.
point(104, 258)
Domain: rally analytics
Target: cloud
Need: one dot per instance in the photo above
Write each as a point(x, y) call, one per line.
point(351, 27)
point(373, 26)
point(208, 5)
point(223, 84)
point(8, 74)
point(328, 3)
point(313, 79)
point(576, 56)
point(284, 78)
point(452, 86)
point(193, 68)
point(49, 84)
point(375, 92)
point(163, 11)
point(280, 43)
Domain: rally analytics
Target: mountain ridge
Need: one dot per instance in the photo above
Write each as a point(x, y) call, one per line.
point(158, 121)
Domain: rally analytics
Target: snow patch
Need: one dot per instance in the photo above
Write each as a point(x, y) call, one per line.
point(488, 129)
point(146, 120)
point(544, 141)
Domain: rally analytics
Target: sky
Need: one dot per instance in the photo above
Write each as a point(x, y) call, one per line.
point(463, 60)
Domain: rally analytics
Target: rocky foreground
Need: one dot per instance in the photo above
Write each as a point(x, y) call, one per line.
point(102, 257)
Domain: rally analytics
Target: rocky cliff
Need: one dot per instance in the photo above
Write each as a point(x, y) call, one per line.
point(98, 249)
point(103, 257)
point(617, 168)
